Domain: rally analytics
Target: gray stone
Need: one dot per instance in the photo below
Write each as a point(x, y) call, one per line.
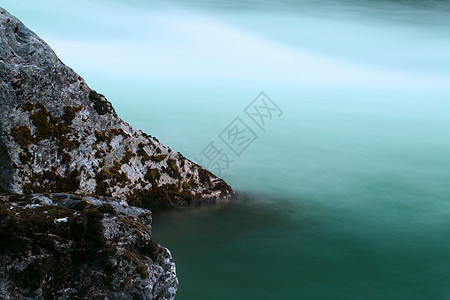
point(65, 246)
point(77, 184)
point(58, 135)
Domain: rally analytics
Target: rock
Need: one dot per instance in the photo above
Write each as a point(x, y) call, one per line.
point(58, 135)
point(60, 141)
point(66, 246)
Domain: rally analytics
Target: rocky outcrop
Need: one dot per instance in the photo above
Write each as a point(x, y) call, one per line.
point(58, 135)
point(64, 246)
point(77, 183)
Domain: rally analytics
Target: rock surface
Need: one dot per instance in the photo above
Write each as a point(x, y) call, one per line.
point(58, 135)
point(77, 183)
point(64, 246)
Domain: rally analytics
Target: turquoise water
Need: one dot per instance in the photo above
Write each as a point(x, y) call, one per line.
point(346, 195)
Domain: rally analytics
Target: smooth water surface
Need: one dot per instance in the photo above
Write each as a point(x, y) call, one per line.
point(346, 195)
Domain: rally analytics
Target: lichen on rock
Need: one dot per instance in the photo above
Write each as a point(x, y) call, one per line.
point(66, 246)
point(55, 128)
point(77, 184)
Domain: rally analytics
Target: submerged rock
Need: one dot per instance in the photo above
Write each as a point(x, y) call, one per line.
point(64, 246)
point(58, 135)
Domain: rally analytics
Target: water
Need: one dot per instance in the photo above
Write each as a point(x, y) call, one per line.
point(346, 195)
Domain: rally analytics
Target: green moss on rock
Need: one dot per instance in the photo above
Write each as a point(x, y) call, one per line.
point(159, 198)
point(70, 113)
point(25, 158)
point(109, 135)
point(172, 168)
point(152, 176)
point(46, 125)
point(158, 158)
point(117, 131)
point(28, 107)
point(101, 136)
point(127, 156)
point(50, 127)
point(111, 177)
point(142, 153)
point(22, 136)
point(100, 104)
